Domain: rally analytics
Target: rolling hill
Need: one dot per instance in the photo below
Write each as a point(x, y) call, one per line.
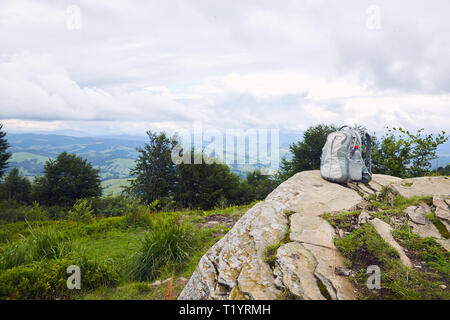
point(114, 156)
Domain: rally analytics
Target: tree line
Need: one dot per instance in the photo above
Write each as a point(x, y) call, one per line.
point(398, 152)
point(158, 181)
point(155, 180)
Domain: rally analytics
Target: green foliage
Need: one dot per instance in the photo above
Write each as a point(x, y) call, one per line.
point(154, 169)
point(47, 280)
point(438, 224)
point(41, 244)
point(67, 179)
point(190, 185)
point(15, 187)
point(206, 186)
point(257, 186)
point(12, 211)
point(426, 249)
point(4, 155)
point(270, 253)
point(137, 214)
point(365, 247)
point(306, 153)
point(48, 243)
point(36, 213)
point(169, 244)
point(33, 248)
point(404, 154)
point(342, 220)
point(13, 254)
point(403, 202)
point(81, 212)
point(444, 171)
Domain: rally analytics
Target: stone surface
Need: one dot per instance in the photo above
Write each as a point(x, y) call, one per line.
point(316, 235)
point(442, 207)
point(423, 186)
point(363, 217)
point(429, 230)
point(417, 214)
point(342, 271)
point(295, 270)
point(236, 268)
point(385, 231)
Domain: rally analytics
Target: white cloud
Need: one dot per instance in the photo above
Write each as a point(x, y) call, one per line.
point(162, 65)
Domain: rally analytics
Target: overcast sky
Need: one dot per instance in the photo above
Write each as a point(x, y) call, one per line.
point(123, 67)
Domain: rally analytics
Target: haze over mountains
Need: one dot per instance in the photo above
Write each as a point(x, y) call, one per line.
point(114, 156)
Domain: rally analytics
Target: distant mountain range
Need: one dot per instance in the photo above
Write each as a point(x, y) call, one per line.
point(114, 156)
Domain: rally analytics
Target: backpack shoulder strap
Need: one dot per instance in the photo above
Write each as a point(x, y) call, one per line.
point(368, 155)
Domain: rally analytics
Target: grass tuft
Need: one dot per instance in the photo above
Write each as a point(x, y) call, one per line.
point(169, 244)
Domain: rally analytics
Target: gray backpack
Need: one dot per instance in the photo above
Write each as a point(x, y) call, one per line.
point(341, 159)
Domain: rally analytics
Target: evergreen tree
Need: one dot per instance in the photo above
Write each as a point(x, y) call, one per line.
point(154, 170)
point(4, 155)
point(67, 179)
point(16, 187)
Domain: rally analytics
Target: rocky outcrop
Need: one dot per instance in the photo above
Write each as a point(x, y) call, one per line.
point(442, 204)
point(423, 186)
point(385, 231)
point(305, 262)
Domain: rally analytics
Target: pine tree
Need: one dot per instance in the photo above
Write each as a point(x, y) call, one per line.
point(16, 187)
point(4, 155)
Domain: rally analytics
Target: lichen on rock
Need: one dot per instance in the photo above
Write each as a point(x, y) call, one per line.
point(236, 267)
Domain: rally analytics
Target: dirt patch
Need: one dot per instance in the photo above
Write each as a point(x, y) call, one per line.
point(214, 220)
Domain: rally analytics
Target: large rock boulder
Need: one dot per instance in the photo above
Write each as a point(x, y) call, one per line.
point(290, 221)
point(423, 186)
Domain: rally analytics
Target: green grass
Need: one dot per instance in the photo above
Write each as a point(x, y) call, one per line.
point(425, 249)
point(113, 246)
point(341, 220)
point(168, 245)
point(438, 224)
point(138, 247)
point(365, 247)
point(403, 202)
point(114, 186)
point(270, 254)
point(22, 156)
point(126, 291)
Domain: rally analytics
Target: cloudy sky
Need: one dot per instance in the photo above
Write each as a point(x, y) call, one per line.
point(122, 67)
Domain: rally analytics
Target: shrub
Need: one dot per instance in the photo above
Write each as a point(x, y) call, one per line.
point(42, 244)
point(81, 212)
point(49, 280)
point(110, 206)
point(170, 244)
point(12, 255)
point(36, 213)
point(12, 211)
point(48, 243)
point(137, 214)
point(57, 212)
